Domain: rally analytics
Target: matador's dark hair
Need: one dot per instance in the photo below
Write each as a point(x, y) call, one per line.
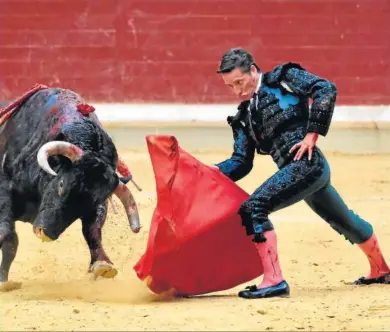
point(237, 58)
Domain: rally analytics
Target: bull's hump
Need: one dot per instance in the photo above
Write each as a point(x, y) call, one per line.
point(64, 98)
point(54, 100)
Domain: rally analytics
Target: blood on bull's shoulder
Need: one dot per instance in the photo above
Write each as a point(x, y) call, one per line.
point(58, 165)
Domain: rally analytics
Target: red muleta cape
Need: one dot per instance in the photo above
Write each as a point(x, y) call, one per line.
point(196, 243)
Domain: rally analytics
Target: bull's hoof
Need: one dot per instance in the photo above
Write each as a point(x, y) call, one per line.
point(103, 269)
point(7, 286)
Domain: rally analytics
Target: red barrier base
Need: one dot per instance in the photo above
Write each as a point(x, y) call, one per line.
point(196, 243)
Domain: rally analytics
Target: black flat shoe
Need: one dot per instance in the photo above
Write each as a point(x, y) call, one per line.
point(252, 292)
point(385, 279)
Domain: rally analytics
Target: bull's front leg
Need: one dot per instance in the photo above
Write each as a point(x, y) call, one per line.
point(8, 238)
point(101, 265)
point(9, 246)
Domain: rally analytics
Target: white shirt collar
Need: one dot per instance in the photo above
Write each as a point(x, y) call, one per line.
point(257, 89)
point(259, 82)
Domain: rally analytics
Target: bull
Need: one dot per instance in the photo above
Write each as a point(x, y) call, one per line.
point(58, 165)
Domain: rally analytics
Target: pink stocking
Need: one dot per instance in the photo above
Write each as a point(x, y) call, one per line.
point(269, 255)
point(377, 261)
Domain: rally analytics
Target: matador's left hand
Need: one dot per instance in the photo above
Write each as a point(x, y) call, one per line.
point(307, 145)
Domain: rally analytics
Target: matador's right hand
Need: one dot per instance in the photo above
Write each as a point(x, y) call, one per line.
point(305, 146)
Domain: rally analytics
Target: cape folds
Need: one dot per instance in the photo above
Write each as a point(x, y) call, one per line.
point(196, 242)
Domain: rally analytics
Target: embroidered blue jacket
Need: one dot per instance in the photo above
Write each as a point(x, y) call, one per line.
point(279, 117)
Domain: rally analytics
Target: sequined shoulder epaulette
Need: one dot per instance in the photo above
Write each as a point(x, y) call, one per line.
point(275, 76)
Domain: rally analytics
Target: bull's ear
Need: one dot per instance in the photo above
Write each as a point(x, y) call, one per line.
point(58, 162)
point(97, 169)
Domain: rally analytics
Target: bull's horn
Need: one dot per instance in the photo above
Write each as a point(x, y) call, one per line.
point(66, 149)
point(127, 199)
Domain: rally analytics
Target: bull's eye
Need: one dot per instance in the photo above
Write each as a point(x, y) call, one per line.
point(61, 187)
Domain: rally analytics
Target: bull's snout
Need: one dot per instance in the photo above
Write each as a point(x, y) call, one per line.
point(40, 234)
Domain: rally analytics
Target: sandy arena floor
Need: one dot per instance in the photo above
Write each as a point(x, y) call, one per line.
point(57, 294)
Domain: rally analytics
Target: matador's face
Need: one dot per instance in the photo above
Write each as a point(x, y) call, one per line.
point(242, 84)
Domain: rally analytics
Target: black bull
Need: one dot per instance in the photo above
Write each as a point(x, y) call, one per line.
point(58, 165)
